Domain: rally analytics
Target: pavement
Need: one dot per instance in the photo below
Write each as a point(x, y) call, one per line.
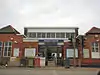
point(54, 68)
point(48, 71)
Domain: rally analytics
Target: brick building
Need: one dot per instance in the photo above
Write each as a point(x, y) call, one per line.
point(89, 48)
point(11, 42)
point(50, 42)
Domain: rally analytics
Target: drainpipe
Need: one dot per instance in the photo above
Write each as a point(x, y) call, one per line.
point(74, 56)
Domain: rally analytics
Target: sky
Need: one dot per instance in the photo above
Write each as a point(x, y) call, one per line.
point(83, 14)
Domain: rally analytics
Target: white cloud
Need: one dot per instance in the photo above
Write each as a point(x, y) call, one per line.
point(20, 13)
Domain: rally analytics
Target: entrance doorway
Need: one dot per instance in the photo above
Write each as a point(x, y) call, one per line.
point(53, 55)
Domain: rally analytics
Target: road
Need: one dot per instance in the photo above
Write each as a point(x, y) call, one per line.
point(32, 71)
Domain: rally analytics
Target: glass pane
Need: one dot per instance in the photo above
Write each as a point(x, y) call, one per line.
point(96, 44)
point(0, 48)
point(5, 53)
point(62, 35)
point(48, 35)
point(58, 35)
point(33, 35)
point(70, 35)
point(52, 35)
point(5, 49)
point(67, 35)
point(29, 34)
point(38, 35)
point(9, 53)
point(92, 44)
point(0, 44)
point(6, 43)
point(97, 50)
point(93, 50)
point(73, 35)
point(43, 35)
point(9, 48)
point(0, 53)
point(10, 43)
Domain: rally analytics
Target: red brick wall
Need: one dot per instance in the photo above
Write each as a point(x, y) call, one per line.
point(30, 45)
point(89, 40)
point(17, 38)
point(64, 49)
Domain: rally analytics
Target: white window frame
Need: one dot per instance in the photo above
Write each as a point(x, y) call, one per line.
point(94, 46)
point(95, 54)
point(7, 48)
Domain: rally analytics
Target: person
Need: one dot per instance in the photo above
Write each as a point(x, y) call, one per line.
point(6, 64)
point(98, 73)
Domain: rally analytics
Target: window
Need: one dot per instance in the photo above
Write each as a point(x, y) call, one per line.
point(1, 48)
point(39, 35)
point(43, 35)
point(29, 34)
point(62, 35)
point(7, 48)
point(70, 35)
point(52, 35)
point(32, 35)
point(48, 35)
point(95, 47)
point(95, 50)
point(73, 35)
point(67, 35)
point(58, 35)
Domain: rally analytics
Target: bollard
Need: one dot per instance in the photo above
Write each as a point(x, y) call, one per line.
point(67, 63)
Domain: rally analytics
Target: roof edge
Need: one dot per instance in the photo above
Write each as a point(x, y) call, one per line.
point(52, 27)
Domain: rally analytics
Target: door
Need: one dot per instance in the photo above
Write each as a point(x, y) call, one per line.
point(53, 54)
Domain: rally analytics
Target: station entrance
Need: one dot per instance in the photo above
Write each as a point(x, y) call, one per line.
point(52, 52)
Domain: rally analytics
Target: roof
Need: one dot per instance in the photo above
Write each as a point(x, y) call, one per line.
point(8, 29)
point(51, 27)
point(94, 30)
point(21, 35)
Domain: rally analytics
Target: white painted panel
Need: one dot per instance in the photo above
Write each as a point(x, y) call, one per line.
point(29, 40)
point(60, 43)
point(51, 30)
point(95, 55)
point(65, 39)
point(12, 58)
point(30, 52)
point(36, 39)
point(41, 43)
point(70, 53)
point(16, 52)
point(42, 61)
point(86, 53)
